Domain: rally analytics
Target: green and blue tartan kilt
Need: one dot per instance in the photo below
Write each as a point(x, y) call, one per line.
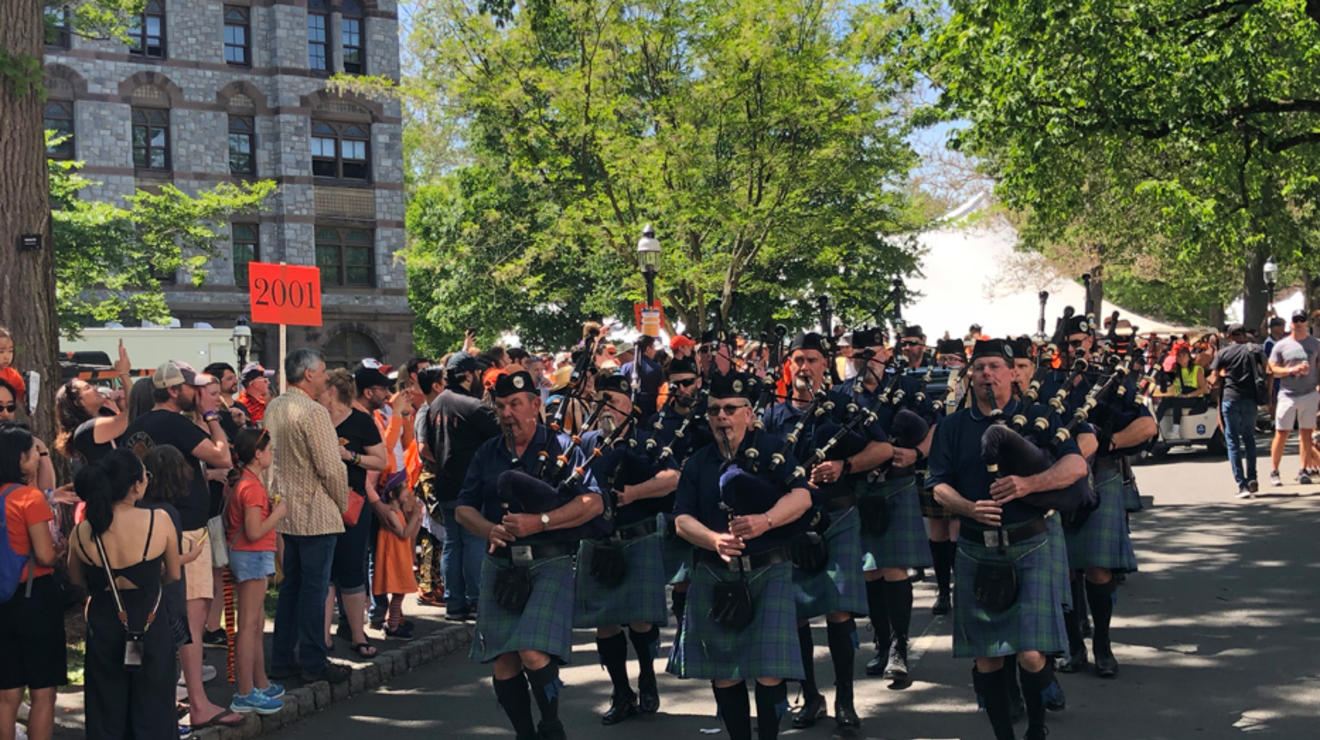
point(641, 596)
point(1059, 559)
point(839, 586)
point(677, 553)
point(1103, 540)
point(1033, 622)
point(766, 648)
point(546, 622)
point(904, 543)
point(930, 508)
point(1131, 496)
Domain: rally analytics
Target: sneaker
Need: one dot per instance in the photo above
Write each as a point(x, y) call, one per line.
point(1253, 486)
point(273, 691)
point(1175, 431)
point(1303, 478)
point(1243, 492)
point(215, 638)
point(1275, 480)
point(185, 731)
point(255, 702)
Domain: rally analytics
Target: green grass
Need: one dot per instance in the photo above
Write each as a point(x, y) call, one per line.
point(76, 653)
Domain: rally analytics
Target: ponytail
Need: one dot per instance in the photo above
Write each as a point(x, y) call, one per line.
point(106, 482)
point(247, 443)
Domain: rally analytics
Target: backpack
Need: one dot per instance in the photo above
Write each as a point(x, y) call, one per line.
point(11, 563)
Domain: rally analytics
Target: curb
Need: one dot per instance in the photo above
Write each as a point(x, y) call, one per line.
point(365, 677)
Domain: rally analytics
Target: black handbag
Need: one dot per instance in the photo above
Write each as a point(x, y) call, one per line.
point(609, 565)
point(996, 585)
point(513, 587)
point(731, 605)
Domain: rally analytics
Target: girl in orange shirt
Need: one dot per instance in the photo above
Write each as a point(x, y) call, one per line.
point(394, 558)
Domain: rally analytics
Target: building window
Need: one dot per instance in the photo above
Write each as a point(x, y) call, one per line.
point(238, 28)
point(147, 31)
point(59, 118)
point(246, 249)
point(351, 38)
point(345, 256)
point(151, 138)
point(348, 348)
point(318, 36)
point(340, 150)
point(57, 27)
point(242, 140)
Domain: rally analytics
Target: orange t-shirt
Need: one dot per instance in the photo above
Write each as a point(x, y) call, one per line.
point(24, 507)
point(247, 492)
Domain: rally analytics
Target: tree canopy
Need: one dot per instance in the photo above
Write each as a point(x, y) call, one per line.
point(760, 138)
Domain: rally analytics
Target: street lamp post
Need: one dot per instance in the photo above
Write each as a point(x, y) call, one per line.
point(242, 341)
point(1271, 274)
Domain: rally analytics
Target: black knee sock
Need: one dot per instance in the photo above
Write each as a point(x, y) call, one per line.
point(1034, 686)
point(1079, 595)
point(1101, 598)
point(843, 652)
point(1072, 618)
point(771, 701)
point(898, 601)
point(942, 555)
point(809, 687)
point(1011, 681)
point(614, 656)
point(875, 603)
point(735, 710)
point(646, 644)
point(517, 704)
point(994, 694)
point(545, 690)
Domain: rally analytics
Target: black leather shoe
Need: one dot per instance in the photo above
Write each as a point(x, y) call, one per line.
point(1106, 666)
point(896, 667)
point(943, 604)
point(812, 709)
point(1075, 661)
point(876, 665)
point(553, 730)
point(648, 697)
point(621, 708)
point(1037, 733)
point(1054, 698)
point(845, 717)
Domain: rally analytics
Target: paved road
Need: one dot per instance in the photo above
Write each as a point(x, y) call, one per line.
point(1218, 637)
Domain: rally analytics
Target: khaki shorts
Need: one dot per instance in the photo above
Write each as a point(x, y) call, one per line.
point(1301, 409)
point(199, 583)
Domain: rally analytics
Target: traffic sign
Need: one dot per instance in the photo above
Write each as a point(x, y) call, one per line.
point(284, 294)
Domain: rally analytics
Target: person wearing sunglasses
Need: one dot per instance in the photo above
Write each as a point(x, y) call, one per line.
point(913, 343)
point(1295, 361)
point(631, 590)
point(836, 591)
point(740, 520)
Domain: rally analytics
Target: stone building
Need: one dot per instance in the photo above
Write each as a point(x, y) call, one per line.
point(213, 91)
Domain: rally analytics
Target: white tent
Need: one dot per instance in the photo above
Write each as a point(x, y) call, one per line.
point(971, 274)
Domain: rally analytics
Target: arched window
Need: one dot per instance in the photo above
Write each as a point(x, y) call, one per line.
point(348, 347)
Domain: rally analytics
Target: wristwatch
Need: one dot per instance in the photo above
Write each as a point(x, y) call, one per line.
point(545, 521)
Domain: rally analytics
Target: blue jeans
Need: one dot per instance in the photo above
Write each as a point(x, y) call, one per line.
point(1240, 434)
point(300, 610)
point(461, 562)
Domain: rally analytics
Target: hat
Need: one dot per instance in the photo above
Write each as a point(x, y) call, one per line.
point(1021, 346)
point(974, 327)
point(621, 347)
point(1278, 321)
point(254, 370)
point(559, 380)
point(461, 362)
point(808, 340)
point(173, 373)
point(735, 385)
point(1234, 328)
point(508, 384)
point(993, 348)
point(1077, 325)
point(1299, 315)
point(370, 377)
point(950, 347)
point(913, 331)
point(617, 383)
point(681, 340)
point(681, 366)
point(868, 338)
point(373, 363)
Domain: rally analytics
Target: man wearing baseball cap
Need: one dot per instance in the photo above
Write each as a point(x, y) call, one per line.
point(1294, 361)
point(176, 389)
point(256, 391)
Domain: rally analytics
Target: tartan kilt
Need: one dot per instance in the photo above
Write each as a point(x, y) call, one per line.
point(1059, 559)
point(1103, 540)
point(1131, 497)
point(904, 543)
point(839, 587)
point(766, 648)
point(641, 596)
point(930, 508)
point(1034, 622)
point(546, 622)
point(676, 553)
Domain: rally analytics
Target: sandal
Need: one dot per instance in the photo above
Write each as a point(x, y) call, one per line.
point(219, 720)
point(364, 649)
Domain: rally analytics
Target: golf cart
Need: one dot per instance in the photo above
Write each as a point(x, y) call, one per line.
point(1199, 426)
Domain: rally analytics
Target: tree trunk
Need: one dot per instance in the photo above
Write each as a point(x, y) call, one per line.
point(27, 278)
point(1095, 296)
point(1254, 297)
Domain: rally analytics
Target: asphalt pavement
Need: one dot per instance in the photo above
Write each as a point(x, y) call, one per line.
point(1218, 636)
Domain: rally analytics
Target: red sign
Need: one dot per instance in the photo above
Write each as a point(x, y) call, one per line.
point(649, 320)
point(285, 294)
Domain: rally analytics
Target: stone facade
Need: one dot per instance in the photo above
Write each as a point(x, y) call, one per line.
point(199, 91)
